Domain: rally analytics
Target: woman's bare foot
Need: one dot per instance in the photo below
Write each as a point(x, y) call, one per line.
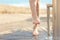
point(35, 32)
point(36, 21)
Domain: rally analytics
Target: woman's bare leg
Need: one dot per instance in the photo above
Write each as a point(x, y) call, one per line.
point(37, 7)
point(35, 14)
point(35, 11)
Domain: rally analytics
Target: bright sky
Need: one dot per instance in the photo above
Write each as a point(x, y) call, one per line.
point(24, 3)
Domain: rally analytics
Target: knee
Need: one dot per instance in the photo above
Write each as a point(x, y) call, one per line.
point(37, 2)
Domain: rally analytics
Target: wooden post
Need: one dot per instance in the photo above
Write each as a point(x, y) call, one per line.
point(56, 19)
point(48, 17)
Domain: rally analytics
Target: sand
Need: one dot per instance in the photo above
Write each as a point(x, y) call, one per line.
point(20, 27)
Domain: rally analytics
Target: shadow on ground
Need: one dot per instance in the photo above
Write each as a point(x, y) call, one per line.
point(23, 35)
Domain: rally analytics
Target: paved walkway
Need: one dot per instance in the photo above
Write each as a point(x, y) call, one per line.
point(19, 27)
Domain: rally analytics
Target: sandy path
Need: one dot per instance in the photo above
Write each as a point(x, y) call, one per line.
point(20, 27)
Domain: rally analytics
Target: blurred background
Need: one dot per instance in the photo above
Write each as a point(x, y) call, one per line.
point(16, 20)
point(21, 6)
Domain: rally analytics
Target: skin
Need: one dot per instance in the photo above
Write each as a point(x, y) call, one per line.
point(34, 5)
